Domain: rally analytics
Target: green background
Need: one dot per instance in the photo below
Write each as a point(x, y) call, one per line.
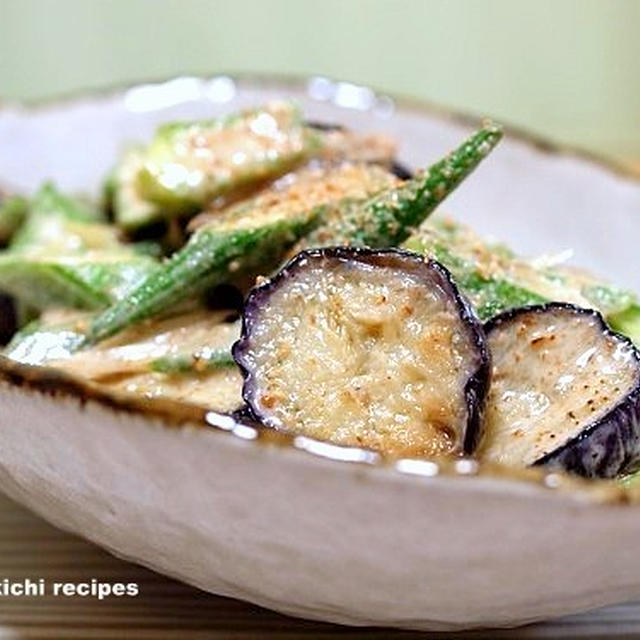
point(566, 68)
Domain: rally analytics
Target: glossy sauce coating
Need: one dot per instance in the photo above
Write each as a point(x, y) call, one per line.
point(554, 375)
point(366, 356)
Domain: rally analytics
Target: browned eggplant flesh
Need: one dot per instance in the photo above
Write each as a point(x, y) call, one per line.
point(367, 348)
point(565, 392)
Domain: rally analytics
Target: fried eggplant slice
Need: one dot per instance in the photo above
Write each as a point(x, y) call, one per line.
point(185, 356)
point(565, 392)
point(363, 347)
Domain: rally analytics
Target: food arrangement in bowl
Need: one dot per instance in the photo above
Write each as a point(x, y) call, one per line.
point(291, 281)
point(369, 336)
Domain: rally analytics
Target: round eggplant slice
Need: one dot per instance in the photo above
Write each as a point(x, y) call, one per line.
point(565, 392)
point(368, 348)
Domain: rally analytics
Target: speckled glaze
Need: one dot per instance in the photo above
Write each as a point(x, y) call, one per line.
point(300, 526)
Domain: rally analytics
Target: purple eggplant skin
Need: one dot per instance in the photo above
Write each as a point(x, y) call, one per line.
point(477, 385)
point(318, 125)
point(607, 446)
point(8, 318)
point(401, 171)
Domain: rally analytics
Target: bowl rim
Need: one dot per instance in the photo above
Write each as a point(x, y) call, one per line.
point(57, 384)
point(300, 82)
point(60, 386)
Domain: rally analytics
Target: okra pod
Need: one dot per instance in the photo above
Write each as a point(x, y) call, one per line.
point(39, 343)
point(627, 322)
point(189, 164)
point(387, 218)
point(247, 239)
point(61, 224)
point(495, 280)
point(190, 343)
point(137, 191)
point(204, 360)
point(489, 294)
point(13, 212)
point(131, 211)
point(63, 256)
point(92, 281)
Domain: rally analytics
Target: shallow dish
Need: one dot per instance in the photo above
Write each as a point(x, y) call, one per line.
point(303, 527)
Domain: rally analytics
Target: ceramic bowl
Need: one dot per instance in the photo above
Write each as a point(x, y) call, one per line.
point(293, 524)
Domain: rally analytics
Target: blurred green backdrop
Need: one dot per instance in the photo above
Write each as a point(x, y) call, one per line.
point(566, 68)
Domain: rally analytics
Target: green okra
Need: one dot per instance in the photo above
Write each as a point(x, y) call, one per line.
point(627, 322)
point(204, 360)
point(50, 201)
point(37, 344)
point(59, 223)
point(192, 342)
point(489, 294)
point(609, 299)
point(42, 284)
point(495, 279)
point(246, 240)
point(387, 218)
point(211, 257)
point(13, 212)
point(64, 256)
point(131, 211)
point(92, 281)
point(189, 164)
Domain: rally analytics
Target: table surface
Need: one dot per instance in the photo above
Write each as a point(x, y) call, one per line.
point(165, 609)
